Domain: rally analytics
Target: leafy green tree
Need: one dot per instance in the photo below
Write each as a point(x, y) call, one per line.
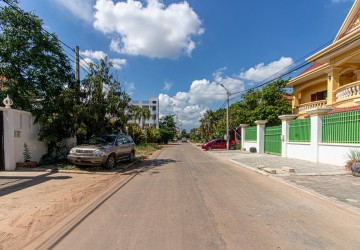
point(36, 73)
point(103, 107)
point(266, 103)
point(167, 128)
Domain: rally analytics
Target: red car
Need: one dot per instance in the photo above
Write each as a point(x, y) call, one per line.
point(218, 144)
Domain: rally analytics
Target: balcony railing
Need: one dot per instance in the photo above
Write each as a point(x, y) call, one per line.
point(312, 105)
point(351, 90)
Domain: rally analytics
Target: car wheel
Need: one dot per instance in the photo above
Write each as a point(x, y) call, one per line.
point(110, 162)
point(131, 156)
point(231, 147)
point(209, 148)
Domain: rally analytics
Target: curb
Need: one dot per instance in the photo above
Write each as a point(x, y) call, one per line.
point(302, 188)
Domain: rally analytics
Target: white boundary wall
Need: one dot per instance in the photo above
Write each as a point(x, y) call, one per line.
point(315, 151)
point(250, 144)
point(19, 128)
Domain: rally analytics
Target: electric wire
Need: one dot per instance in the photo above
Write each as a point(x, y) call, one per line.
point(17, 9)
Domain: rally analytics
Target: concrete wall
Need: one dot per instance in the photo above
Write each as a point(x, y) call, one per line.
point(250, 144)
point(298, 150)
point(19, 129)
point(314, 151)
point(335, 153)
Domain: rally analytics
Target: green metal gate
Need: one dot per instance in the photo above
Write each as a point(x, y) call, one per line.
point(273, 140)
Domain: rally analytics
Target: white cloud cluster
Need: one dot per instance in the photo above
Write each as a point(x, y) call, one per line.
point(341, 1)
point(261, 71)
point(153, 30)
point(190, 106)
point(90, 55)
point(82, 9)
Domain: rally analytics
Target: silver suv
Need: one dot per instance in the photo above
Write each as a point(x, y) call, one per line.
point(103, 150)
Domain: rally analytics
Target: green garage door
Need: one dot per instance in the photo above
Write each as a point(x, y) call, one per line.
point(273, 140)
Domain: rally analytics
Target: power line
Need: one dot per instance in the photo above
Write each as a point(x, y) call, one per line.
point(17, 9)
point(276, 76)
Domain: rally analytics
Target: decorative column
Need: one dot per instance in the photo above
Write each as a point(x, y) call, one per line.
point(332, 85)
point(285, 124)
point(9, 140)
point(316, 118)
point(243, 128)
point(260, 135)
point(295, 100)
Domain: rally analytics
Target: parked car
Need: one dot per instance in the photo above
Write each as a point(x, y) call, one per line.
point(184, 139)
point(218, 144)
point(104, 150)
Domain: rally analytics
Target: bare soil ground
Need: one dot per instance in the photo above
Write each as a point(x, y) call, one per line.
point(32, 202)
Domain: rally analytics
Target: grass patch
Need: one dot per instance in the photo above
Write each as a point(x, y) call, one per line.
point(143, 151)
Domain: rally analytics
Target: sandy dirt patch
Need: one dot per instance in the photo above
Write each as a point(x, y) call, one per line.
point(33, 202)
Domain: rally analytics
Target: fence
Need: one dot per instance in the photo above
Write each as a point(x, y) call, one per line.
point(321, 138)
point(341, 128)
point(250, 134)
point(299, 130)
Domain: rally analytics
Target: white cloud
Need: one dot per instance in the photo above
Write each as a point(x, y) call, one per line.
point(202, 94)
point(153, 30)
point(191, 105)
point(261, 71)
point(82, 9)
point(98, 55)
point(118, 63)
point(90, 56)
point(129, 88)
point(167, 86)
point(341, 1)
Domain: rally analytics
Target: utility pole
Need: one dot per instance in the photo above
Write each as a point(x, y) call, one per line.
point(77, 62)
point(227, 115)
point(77, 73)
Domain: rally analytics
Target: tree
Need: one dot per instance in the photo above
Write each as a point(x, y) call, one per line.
point(266, 103)
point(104, 105)
point(36, 73)
point(136, 113)
point(167, 128)
point(145, 115)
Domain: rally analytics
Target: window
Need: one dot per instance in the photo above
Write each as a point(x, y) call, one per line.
point(319, 96)
point(154, 102)
point(154, 108)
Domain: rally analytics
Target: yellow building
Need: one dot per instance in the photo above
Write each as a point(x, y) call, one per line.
point(334, 78)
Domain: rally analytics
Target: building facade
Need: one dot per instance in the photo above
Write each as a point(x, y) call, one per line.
point(153, 105)
point(333, 80)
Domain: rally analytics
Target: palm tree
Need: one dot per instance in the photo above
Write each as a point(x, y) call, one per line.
point(137, 113)
point(145, 115)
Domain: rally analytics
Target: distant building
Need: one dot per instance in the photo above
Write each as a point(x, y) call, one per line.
point(153, 105)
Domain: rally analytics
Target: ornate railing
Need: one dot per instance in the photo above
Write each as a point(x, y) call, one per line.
point(348, 91)
point(312, 105)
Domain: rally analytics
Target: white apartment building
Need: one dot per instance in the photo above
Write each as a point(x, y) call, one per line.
point(153, 105)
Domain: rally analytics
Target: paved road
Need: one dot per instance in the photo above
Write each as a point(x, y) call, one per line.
point(187, 199)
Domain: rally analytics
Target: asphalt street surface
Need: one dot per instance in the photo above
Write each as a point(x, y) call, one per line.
point(189, 199)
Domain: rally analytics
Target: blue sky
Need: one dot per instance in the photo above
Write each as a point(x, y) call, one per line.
point(180, 51)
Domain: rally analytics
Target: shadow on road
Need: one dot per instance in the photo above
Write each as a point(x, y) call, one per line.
point(11, 184)
point(147, 165)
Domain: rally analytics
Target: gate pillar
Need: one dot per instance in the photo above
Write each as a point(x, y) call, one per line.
point(260, 135)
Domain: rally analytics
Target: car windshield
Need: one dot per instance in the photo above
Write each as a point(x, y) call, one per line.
point(104, 139)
